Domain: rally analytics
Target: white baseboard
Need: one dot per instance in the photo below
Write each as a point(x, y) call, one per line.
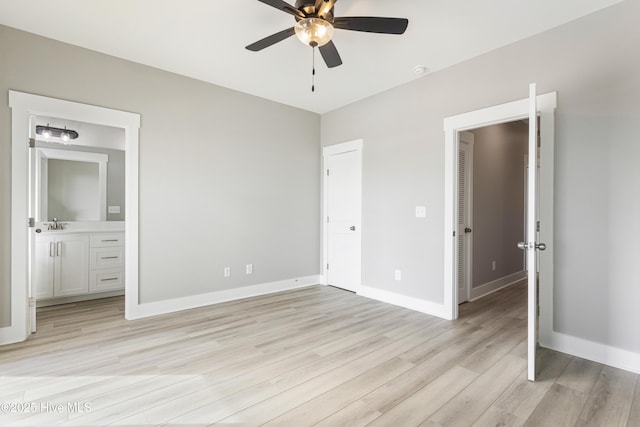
point(596, 352)
point(423, 306)
point(496, 285)
point(200, 300)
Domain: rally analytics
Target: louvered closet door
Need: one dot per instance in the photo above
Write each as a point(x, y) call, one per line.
point(465, 161)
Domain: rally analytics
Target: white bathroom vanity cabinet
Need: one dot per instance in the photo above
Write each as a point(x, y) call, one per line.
point(73, 263)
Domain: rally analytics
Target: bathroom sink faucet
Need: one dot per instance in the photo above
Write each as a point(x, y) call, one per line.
point(56, 225)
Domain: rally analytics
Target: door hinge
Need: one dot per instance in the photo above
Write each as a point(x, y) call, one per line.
point(538, 226)
point(327, 266)
point(327, 172)
point(32, 222)
point(454, 233)
point(32, 142)
point(32, 302)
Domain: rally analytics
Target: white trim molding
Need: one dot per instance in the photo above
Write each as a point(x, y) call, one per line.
point(194, 301)
point(415, 304)
point(590, 350)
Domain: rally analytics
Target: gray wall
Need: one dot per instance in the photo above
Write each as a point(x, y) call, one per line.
point(498, 200)
point(591, 65)
point(115, 174)
point(225, 178)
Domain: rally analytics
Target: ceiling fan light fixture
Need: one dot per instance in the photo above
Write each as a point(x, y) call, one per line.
point(314, 32)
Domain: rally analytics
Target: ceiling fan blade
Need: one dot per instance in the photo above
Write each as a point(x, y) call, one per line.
point(323, 7)
point(371, 24)
point(284, 6)
point(330, 55)
point(271, 40)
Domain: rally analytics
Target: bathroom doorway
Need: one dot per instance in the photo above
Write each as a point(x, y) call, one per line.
point(78, 187)
point(24, 108)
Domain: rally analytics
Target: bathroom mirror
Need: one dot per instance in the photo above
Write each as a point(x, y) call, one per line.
point(71, 185)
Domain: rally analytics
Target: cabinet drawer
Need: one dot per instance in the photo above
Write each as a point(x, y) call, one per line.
point(107, 257)
point(106, 280)
point(107, 240)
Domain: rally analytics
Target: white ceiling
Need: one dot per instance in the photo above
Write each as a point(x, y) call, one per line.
point(205, 39)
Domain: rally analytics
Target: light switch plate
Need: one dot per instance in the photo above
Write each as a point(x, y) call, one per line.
point(114, 209)
point(421, 211)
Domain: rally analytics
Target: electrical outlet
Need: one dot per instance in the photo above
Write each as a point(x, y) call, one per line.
point(249, 269)
point(421, 211)
point(227, 272)
point(114, 209)
point(493, 266)
point(398, 275)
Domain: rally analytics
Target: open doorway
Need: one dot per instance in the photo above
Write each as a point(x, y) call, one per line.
point(539, 109)
point(24, 107)
point(78, 188)
point(491, 208)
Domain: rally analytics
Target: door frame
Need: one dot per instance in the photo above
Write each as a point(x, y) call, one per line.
point(23, 106)
point(511, 111)
point(330, 150)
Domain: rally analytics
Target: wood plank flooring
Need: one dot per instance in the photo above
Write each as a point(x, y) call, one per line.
point(313, 356)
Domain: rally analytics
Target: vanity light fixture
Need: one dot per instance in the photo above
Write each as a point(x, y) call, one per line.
point(48, 132)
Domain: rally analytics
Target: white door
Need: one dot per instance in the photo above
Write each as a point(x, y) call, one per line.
point(465, 228)
point(532, 245)
point(343, 166)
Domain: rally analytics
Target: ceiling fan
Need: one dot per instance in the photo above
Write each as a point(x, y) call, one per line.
point(315, 23)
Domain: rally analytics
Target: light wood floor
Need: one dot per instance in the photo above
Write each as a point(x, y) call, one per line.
point(314, 356)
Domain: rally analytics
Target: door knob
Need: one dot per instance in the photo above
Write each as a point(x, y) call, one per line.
point(539, 246)
point(352, 228)
point(467, 230)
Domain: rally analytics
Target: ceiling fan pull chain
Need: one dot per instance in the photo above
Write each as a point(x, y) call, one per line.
point(313, 70)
